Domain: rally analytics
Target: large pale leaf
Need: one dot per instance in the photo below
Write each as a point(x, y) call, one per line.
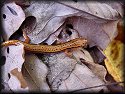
point(14, 58)
point(12, 18)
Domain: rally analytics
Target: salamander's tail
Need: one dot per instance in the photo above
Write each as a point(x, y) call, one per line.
point(10, 42)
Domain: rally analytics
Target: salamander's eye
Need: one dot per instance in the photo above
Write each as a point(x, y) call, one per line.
point(69, 32)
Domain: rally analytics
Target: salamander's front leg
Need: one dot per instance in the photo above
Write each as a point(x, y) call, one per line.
point(69, 52)
point(27, 39)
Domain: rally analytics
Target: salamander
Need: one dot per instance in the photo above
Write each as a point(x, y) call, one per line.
point(39, 48)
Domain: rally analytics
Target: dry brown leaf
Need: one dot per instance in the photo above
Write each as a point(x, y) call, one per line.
point(13, 16)
point(35, 71)
point(120, 27)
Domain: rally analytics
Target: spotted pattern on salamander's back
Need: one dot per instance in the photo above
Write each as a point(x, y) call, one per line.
point(78, 42)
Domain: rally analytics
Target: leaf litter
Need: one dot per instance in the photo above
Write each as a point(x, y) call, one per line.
point(59, 72)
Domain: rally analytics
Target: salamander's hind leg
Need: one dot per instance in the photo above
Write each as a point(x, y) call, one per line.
point(27, 39)
point(68, 52)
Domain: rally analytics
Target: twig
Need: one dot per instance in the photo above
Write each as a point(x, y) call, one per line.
point(115, 83)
